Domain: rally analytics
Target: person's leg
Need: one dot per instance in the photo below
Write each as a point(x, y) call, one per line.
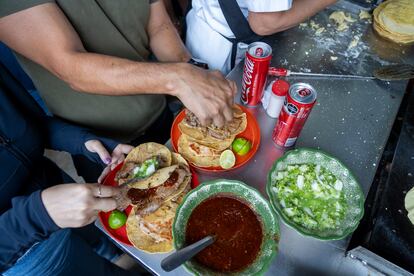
point(82, 260)
point(64, 253)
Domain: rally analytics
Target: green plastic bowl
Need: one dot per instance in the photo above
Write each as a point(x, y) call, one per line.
point(249, 196)
point(353, 192)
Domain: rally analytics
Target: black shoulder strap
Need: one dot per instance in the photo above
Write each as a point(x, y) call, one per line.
point(238, 25)
point(235, 19)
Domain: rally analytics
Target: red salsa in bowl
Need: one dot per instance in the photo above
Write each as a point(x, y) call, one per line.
point(237, 229)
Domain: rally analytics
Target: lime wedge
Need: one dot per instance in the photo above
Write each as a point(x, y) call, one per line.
point(241, 146)
point(227, 159)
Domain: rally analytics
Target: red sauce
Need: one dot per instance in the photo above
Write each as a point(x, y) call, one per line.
point(237, 229)
point(137, 196)
point(172, 179)
point(195, 148)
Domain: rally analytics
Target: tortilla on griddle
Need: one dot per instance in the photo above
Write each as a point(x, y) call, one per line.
point(394, 20)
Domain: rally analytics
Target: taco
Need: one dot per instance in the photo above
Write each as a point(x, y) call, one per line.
point(212, 136)
point(198, 154)
point(177, 159)
point(143, 161)
point(149, 194)
point(153, 232)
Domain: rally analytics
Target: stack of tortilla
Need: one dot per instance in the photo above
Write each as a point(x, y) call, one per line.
point(203, 145)
point(155, 198)
point(394, 19)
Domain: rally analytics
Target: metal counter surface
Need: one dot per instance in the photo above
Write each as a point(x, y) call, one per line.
point(351, 120)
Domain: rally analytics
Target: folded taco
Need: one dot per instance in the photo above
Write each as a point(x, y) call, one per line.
point(148, 195)
point(143, 161)
point(153, 232)
point(198, 154)
point(211, 135)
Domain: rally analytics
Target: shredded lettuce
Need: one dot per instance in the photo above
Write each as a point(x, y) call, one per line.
point(147, 168)
point(311, 196)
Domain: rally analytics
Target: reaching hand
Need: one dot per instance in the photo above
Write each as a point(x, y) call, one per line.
point(207, 94)
point(111, 160)
point(77, 205)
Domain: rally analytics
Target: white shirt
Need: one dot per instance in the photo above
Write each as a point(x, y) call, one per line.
point(206, 27)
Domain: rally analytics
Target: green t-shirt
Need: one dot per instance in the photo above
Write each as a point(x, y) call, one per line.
point(110, 27)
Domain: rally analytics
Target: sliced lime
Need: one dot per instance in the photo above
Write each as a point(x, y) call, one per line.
point(117, 219)
point(227, 159)
point(241, 146)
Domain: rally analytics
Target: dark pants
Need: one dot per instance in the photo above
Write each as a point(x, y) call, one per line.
point(64, 253)
point(158, 132)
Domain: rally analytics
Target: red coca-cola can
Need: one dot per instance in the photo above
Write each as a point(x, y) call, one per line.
point(297, 106)
point(256, 67)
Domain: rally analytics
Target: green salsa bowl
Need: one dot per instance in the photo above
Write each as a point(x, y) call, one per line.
point(354, 197)
point(249, 196)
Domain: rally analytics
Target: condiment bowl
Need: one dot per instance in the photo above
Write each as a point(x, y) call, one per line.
point(354, 196)
point(247, 195)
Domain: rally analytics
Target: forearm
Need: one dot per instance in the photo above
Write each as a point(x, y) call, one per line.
point(71, 138)
point(273, 22)
point(165, 42)
point(167, 45)
point(46, 36)
point(107, 75)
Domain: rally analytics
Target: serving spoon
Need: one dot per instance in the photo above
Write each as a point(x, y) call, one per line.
point(184, 254)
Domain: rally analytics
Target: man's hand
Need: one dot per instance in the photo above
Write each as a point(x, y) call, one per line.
point(206, 93)
point(77, 205)
point(111, 160)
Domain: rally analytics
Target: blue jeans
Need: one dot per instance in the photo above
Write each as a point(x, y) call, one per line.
point(64, 253)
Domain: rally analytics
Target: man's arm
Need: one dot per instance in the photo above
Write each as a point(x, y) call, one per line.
point(44, 35)
point(165, 42)
point(267, 23)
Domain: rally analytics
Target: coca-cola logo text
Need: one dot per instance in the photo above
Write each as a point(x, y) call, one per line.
point(247, 80)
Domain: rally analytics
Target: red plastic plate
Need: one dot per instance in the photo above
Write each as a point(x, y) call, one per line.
point(120, 233)
point(251, 133)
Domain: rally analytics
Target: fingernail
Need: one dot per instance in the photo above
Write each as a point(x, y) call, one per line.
point(108, 160)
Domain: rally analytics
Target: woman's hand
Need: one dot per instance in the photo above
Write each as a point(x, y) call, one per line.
point(111, 160)
point(77, 205)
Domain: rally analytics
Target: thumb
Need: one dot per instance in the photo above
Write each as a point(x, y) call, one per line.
point(97, 147)
point(125, 149)
point(104, 204)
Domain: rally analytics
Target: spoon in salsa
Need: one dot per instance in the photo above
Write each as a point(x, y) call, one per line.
point(184, 254)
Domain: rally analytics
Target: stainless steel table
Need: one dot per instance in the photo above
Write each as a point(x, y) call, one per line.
point(352, 121)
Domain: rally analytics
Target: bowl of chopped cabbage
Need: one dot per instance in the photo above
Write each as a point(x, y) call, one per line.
point(315, 194)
